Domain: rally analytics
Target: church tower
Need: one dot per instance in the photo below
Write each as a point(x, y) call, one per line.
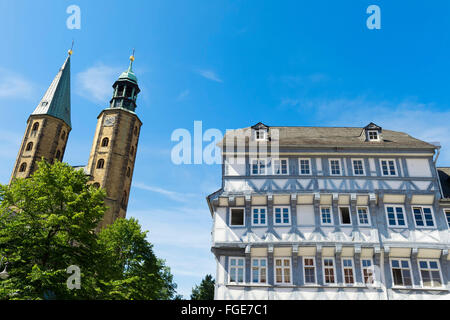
point(48, 126)
point(113, 153)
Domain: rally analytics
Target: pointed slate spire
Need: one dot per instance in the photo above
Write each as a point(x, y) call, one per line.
point(56, 101)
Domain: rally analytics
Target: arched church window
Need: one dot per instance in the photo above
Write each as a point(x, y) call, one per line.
point(100, 164)
point(128, 172)
point(29, 146)
point(135, 130)
point(63, 135)
point(23, 167)
point(58, 155)
point(35, 126)
point(132, 151)
point(105, 142)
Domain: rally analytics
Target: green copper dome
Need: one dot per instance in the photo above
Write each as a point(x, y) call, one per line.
point(129, 74)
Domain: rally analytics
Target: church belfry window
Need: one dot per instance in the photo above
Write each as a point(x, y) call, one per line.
point(100, 164)
point(120, 91)
point(29, 146)
point(23, 167)
point(128, 92)
point(105, 142)
point(35, 126)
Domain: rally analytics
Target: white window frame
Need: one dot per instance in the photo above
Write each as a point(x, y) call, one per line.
point(389, 171)
point(369, 223)
point(259, 267)
point(349, 215)
point(331, 216)
point(428, 269)
point(259, 224)
point(395, 215)
point(282, 268)
point(423, 217)
point(401, 268)
point(237, 225)
point(315, 271)
point(447, 217)
point(237, 266)
point(352, 268)
point(363, 168)
point(340, 167)
point(300, 167)
point(281, 171)
point(259, 131)
point(289, 216)
point(258, 161)
point(373, 131)
point(334, 271)
point(372, 270)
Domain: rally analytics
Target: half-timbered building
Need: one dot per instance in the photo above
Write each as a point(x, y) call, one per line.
point(329, 213)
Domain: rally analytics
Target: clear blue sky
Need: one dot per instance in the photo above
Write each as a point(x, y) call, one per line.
point(228, 64)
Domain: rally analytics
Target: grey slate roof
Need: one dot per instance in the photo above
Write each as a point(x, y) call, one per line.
point(56, 100)
point(343, 137)
point(444, 177)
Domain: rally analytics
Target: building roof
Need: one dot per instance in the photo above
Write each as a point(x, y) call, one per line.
point(129, 73)
point(343, 137)
point(444, 178)
point(56, 100)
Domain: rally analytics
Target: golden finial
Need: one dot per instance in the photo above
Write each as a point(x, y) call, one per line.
point(132, 56)
point(70, 50)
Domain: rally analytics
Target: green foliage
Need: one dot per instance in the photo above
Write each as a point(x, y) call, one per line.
point(204, 291)
point(47, 223)
point(133, 272)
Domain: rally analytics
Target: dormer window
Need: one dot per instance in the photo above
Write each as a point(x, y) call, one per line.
point(372, 132)
point(260, 135)
point(260, 131)
point(373, 135)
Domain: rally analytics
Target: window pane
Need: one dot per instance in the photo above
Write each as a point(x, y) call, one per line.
point(237, 216)
point(436, 278)
point(397, 274)
point(426, 279)
point(345, 215)
point(233, 275)
point(407, 277)
point(240, 275)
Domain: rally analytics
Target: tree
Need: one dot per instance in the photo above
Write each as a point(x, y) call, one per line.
point(204, 291)
point(47, 224)
point(128, 267)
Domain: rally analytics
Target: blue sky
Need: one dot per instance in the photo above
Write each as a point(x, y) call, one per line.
point(229, 64)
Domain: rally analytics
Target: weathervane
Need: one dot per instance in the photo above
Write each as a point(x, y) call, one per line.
point(131, 59)
point(70, 50)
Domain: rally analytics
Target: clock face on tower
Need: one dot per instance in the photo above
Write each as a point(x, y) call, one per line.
point(109, 121)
